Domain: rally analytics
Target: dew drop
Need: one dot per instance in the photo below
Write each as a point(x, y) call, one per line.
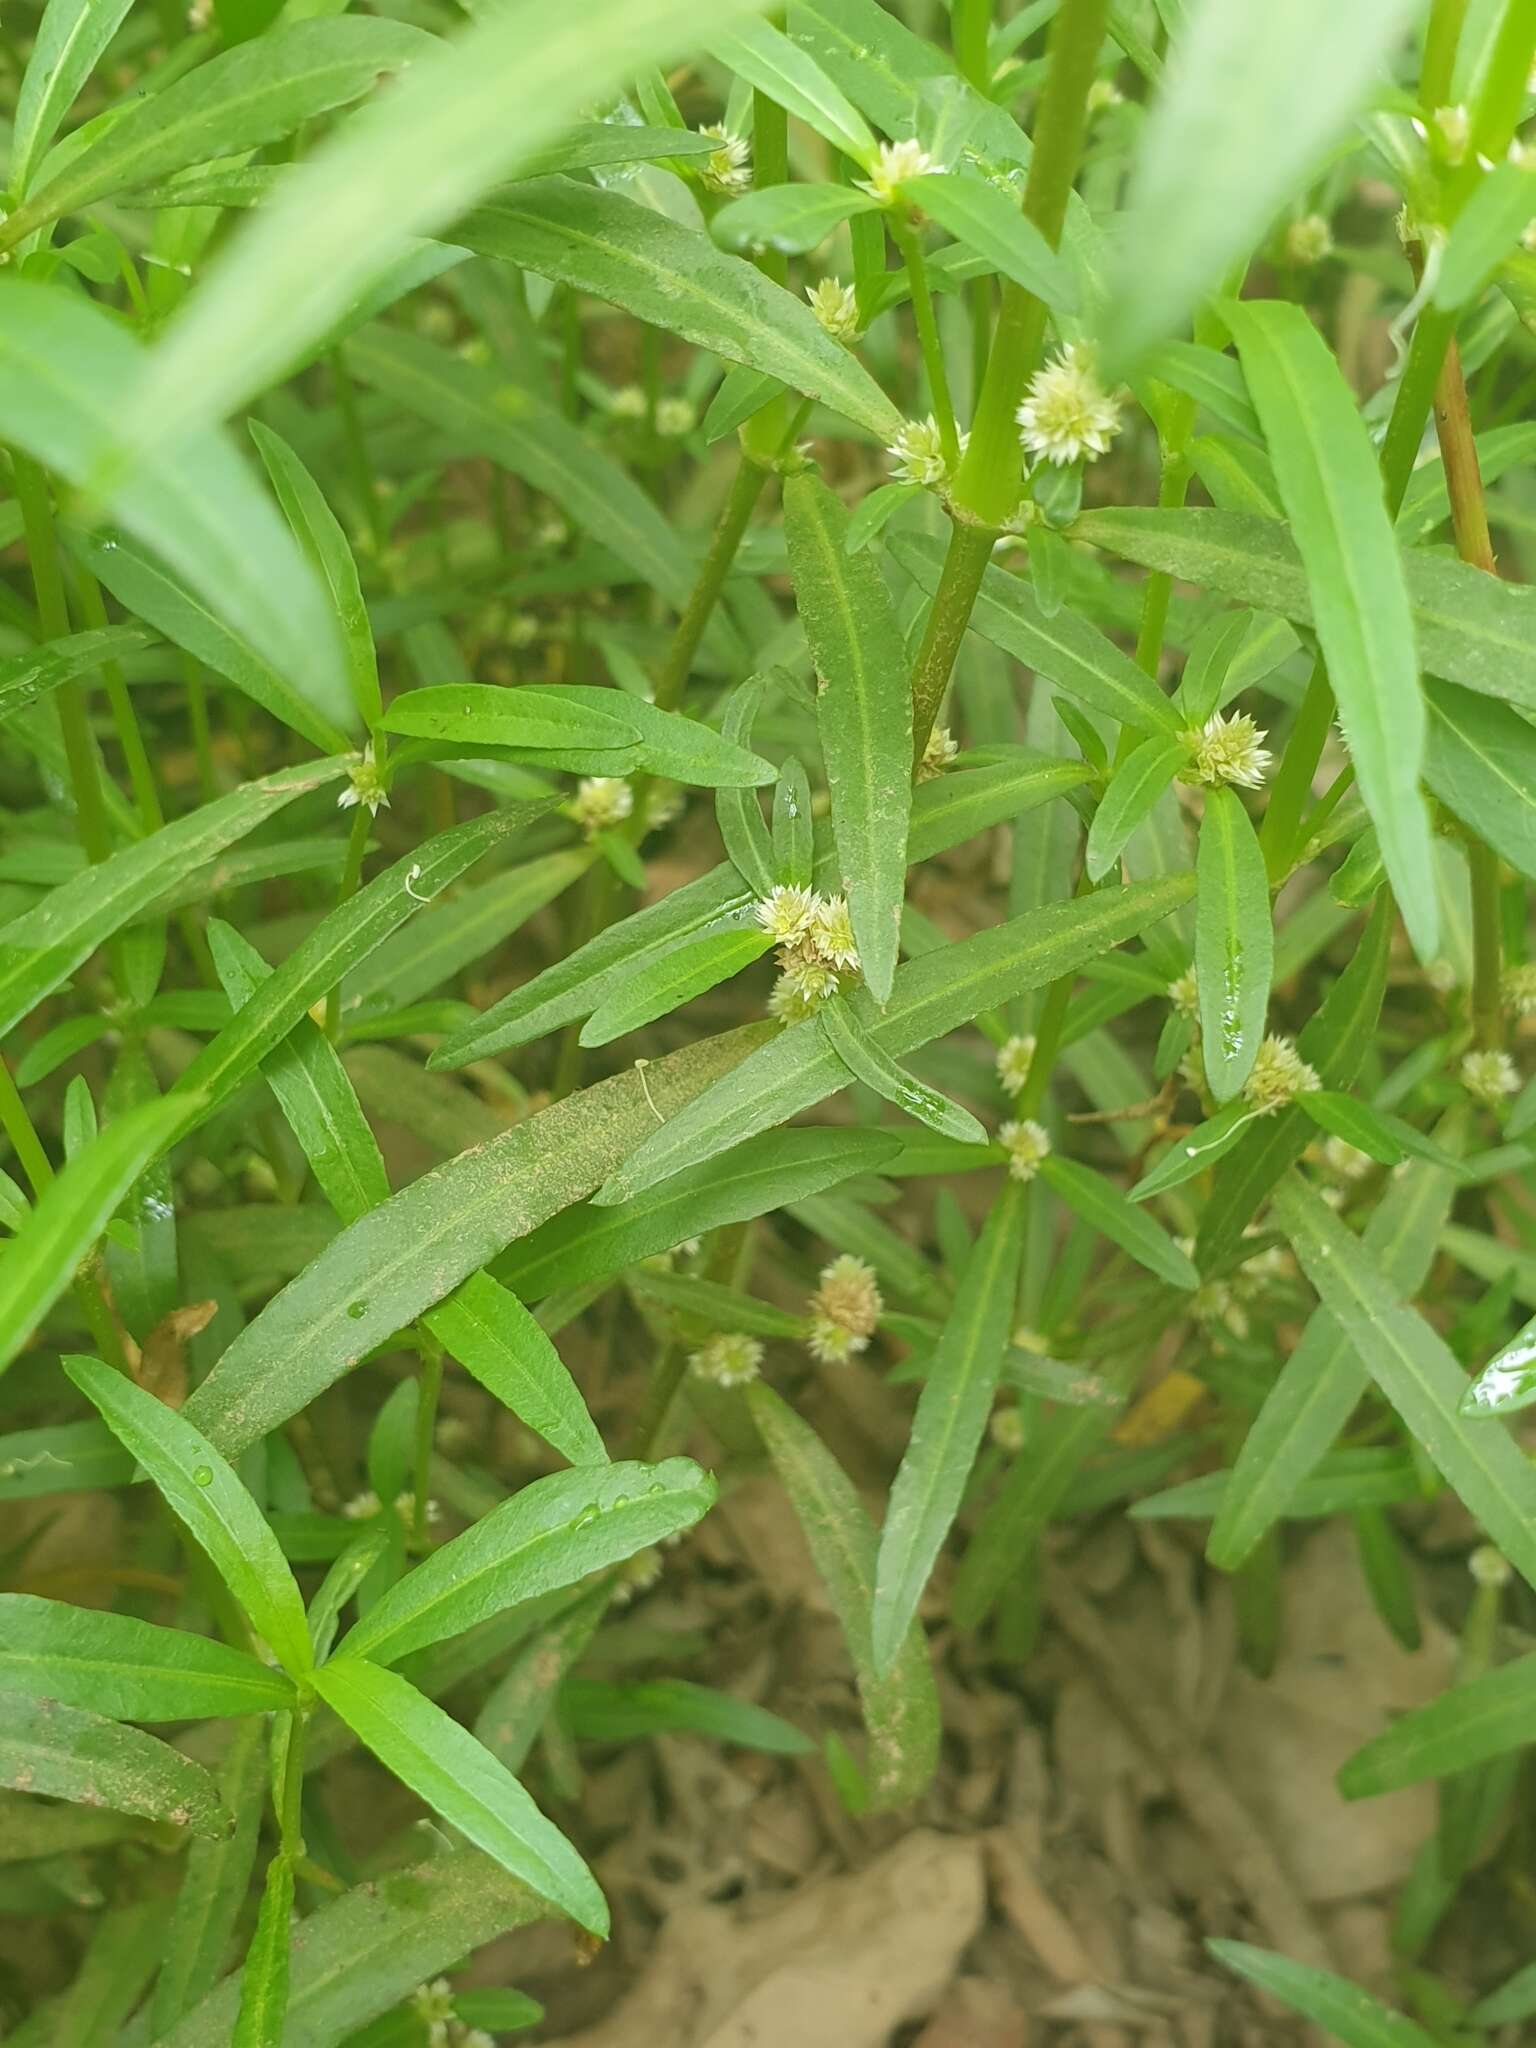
point(357, 1310)
point(587, 1516)
point(203, 1476)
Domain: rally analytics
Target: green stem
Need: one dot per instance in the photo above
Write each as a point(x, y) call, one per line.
point(290, 1797)
point(1441, 38)
point(1411, 406)
point(1048, 1031)
point(735, 516)
point(1487, 945)
point(365, 482)
point(141, 775)
point(970, 23)
point(905, 238)
point(666, 1376)
point(970, 549)
point(1292, 786)
point(430, 1390)
point(202, 737)
point(53, 617)
point(357, 847)
point(22, 1132)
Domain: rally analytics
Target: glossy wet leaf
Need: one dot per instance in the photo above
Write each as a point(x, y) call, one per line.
point(866, 1062)
point(129, 1669)
point(1234, 942)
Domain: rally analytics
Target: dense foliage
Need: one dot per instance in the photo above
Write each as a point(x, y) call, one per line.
point(694, 698)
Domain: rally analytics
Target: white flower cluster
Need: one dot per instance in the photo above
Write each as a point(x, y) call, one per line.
point(896, 164)
point(940, 750)
point(600, 803)
point(365, 785)
point(1015, 1057)
point(917, 453)
point(727, 1360)
point(1279, 1074)
point(1229, 749)
point(1067, 415)
point(845, 1310)
point(1489, 1077)
point(728, 169)
point(817, 954)
point(1027, 1144)
point(836, 307)
point(433, 2006)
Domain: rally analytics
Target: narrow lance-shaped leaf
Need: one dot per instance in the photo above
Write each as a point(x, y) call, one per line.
point(460, 1779)
point(70, 1215)
point(737, 811)
point(1348, 2013)
point(1133, 789)
point(1102, 1206)
point(130, 1669)
point(990, 222)
point(657, 987)
point(901, 1708)
point(71, 38)
point(790, 218)
point(787, 73)
point(1330, 482)
point(1470, 1724)
point(948, 1426)
point(863, 1058)
point(24, 678)
point(487, 1329)
point(204, 1493)
point(63, 1752)
point(1234, 942)
point(264, 1977)
point(550, 1534)
point(863, 714)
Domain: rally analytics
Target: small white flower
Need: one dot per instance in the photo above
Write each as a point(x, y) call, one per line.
point(600, 802)
point(434, 2002)
point(727, 169)
point(941, 749)
point(361, 1507)
point(786, 913)
point(729, 1360)
point(1006, 1430)
point(787, 1005)
point(676, 416)
point(1026, 1144)
point(830, 934)
point(1035, 1342)
point(551, 531)
point(405, 1508)
point(1104, 93)
point(1184, 995)
point(1454, 125)
point(1522, 154)
point(1343, 1161)
point(1067, 415)
point(1015, 1057)
point(1489, 1567)
point(830, 1344)
point(813, 981)
point(836, 307)
point(917, 453)
point(1279, 1074)
point(1309, 240)
point(1489, 1077)
point(628, 403)
point(848, 1294)
point(637, 1575)
point(1520, 988)
point(365, 785)
point(897, 164)
point(1229, 748)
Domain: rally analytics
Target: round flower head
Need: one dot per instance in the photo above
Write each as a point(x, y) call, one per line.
point(813, 980)
point(600, 802)
point(1278, 1076)
point(1520, 988)
point(829, 1343)
point(365, 785)
point(729, 1360)
point(433, 2006)
point(1489, 1567)
point(897, 163)
point(1015, 1057)
point(1343, 1161)
point(637, 1575)
point(1309, 240)
point(831, 934)
point(1104, 93)
point(1184, 994)
point(848, 1294)
point(1229, 748)
point(628, 403)
point(727, 169)
point(836, 307)
point(676, 416)
point(941, 749)
point(785, 913)
point(1026, 1144)
point(1006, 1430)
point(362, 1507)
point(1489, 1077)
point(1067, 415)
point(917, 453)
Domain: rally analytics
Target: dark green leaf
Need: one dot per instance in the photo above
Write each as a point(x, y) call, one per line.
point(128, 1669)
point(1234, 942)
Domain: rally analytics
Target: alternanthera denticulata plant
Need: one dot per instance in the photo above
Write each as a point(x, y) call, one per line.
point(696, 698)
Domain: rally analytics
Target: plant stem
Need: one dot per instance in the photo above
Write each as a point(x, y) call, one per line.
point(141, 774)
point(970, 549)
point(364, 481)
point(290, 1797)
point(1441, 38)
point(357, 846)
point(905, 238)
point(1292, 786)
point(53, 617)
point(22, 1132)
point(970, 22)
point(735, 515)
point(430, 1386)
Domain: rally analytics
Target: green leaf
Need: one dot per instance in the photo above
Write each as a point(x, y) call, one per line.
point(128, 1669)
point(991, 225)
point(71, 38)
point(1487, 228)
point(264, 1977)
point(1197, 1149)
point(62, 1752)
point(366, 1951)
point(1507, 1382)
point(488, 1330)
point(582, 1245)
point(681, 748)
point(719, 1308)
point(1133, 789)
point(1250, 98)
point(460, 1780)
point(598, 1711)
point(791, 218)
point(1212, 379)
point(1349, 2014)
point(483, 714)
point(859, 1053)
point(1481, 764)
point(930, 997)
point(213, 1886)
point(1472, 628)
point(785, 71)
point(1204, 686)
point(1330, 482)
point(1485, 1717)
point(202, 1491)
point(1104, 1208)
point(311, 1087)
point(513, 426)
point(901, 1708)
point(1416, 1372)
point(64, 1457)
point(550, 1534)
point(402, 1258)
point(863, 715)
point(1063, 648)
point(319, 532)
point(963, 801)
point(72, 1212)
point(1234, 942)
point(948, 1427)
point(675, 278)
point(238, 100)
point(63, 365)
point(1427, 503)
point(456, 124)
point(737, 811)
point(657, 987)
point(24, 678)
point(1355, 1122)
